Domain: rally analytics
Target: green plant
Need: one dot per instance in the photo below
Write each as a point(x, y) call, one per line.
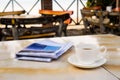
point(102, 3)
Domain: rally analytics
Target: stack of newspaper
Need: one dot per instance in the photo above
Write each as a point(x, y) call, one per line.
point(45, 50)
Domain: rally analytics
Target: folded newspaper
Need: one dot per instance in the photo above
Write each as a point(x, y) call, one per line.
point(44, 50)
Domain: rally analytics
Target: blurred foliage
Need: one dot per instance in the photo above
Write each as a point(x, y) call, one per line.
point(102, 3)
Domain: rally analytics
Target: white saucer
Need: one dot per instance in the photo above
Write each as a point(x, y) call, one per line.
point(72, 60)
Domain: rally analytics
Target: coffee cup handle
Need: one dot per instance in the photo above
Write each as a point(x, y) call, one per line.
point(104, 51)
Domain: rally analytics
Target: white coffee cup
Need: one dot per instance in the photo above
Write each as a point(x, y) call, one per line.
point(89, 53)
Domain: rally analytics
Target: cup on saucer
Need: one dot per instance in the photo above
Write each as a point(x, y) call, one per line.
point(89, 53)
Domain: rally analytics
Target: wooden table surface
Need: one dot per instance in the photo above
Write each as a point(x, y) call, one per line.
point(60, 69)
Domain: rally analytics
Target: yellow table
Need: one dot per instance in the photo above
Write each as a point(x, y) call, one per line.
point(12, 69)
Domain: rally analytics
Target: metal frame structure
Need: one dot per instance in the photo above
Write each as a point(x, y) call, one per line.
point(77, 22)
point(12, 1)
point(33, 6)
